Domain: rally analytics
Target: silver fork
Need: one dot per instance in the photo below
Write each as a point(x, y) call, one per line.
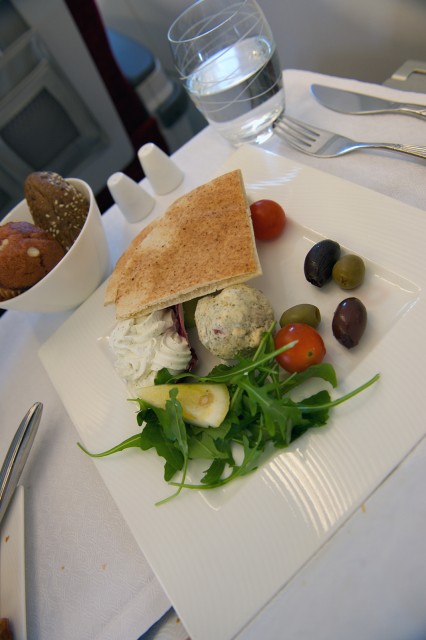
point(314, 141)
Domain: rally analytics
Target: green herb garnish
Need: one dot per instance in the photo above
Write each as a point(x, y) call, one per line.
point(261, 415)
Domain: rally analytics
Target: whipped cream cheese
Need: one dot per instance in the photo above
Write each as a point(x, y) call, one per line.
point(144, 345)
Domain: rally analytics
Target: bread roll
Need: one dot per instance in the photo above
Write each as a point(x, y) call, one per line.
point(56, 206)
point(27, 254)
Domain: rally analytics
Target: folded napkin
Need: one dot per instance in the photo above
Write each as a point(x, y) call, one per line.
point(394, 174)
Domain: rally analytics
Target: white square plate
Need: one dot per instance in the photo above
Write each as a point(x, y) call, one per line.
point(222, 555)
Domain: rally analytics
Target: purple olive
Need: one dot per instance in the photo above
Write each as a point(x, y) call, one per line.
point(349, 322)
point(319, 262)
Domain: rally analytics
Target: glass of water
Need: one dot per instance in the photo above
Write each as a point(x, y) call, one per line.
point(226, 58)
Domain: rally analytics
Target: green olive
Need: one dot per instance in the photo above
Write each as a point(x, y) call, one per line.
point(306, 313)
point(349, 271)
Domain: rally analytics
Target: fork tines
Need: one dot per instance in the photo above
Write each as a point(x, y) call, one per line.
point(297, 134)
point(319, 142)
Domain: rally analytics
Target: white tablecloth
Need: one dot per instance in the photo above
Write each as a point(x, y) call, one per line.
point(87, 579)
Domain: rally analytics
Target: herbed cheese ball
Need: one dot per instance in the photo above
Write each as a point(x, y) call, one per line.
point(231, 323)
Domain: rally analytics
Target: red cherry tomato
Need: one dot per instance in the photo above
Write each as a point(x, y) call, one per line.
point(310, 348)
point(268, 219)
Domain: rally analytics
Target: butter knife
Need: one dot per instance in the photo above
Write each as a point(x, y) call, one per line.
point(17, 455)
point(360, 104)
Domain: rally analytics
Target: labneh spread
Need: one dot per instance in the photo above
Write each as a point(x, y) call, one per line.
point(143, 345)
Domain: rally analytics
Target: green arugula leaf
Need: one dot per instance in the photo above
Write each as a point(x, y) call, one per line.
point(152, 436)
point(216, 433)
point(325, 371)
point(279, 415)
point(174, 429)
point(163, 377)
point(212, 479)
point(261, 415)
point(172, 422)
point(214, 473)
point(133, 441)
point(317, 405)
point(204, 447)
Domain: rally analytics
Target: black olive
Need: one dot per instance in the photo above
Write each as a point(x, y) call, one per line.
point(349, 322)
point(320, 260)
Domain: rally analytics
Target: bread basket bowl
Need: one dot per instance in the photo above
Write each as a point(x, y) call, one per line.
point(78, 274)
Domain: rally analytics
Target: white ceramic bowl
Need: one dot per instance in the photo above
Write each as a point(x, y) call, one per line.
point(78, 274)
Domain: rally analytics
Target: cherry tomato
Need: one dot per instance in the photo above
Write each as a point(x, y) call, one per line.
point(310, 348)
point(268, 219)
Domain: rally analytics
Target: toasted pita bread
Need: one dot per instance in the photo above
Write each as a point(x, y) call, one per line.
point(112, 284)
point(203, 243)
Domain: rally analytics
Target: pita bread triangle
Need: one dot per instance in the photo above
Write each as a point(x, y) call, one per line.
point(203, 243)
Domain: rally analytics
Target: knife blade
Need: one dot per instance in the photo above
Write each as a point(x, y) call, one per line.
point(359, 104)
point(17, 455)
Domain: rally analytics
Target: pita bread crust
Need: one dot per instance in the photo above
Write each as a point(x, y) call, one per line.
point(112, 284)
point(203, 243)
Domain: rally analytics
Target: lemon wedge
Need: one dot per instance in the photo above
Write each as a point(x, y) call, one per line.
point(204, 405)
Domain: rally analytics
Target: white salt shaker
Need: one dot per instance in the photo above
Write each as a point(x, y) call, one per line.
point(134, 202)
point(163, 174)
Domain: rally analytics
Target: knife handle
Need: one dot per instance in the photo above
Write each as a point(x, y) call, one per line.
point(17, 455)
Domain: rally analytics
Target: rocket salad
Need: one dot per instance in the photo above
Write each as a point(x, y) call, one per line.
point(261, 415)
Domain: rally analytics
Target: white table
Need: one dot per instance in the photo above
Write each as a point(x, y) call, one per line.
point(86, 578)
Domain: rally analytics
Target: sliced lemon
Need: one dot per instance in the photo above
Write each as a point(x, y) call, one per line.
point(204, 405)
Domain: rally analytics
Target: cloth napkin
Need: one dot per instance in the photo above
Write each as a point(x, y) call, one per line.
point(394, 174)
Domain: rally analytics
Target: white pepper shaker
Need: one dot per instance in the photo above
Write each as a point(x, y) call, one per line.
point(161, 171)
point(133, 201)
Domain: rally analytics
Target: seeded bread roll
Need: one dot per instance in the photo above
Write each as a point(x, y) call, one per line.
point(56, 206)
point(27, 254)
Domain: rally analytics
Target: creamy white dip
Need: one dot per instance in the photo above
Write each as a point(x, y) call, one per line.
point(144, 345)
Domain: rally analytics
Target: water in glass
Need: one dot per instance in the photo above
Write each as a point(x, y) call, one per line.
point(226, 58)
point(239, 89)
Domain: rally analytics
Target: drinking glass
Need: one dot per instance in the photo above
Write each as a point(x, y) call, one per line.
point(226, 58)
